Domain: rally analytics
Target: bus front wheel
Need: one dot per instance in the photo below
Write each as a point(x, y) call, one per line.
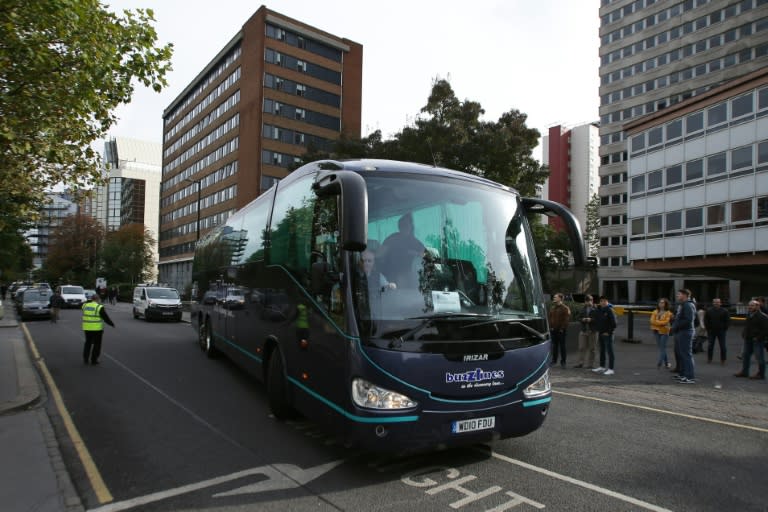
point(277, 387)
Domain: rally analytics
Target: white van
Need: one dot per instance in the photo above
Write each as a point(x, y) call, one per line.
point(156, 302)
point(73, 295)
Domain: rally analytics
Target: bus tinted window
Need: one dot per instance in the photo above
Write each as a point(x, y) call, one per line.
point(291, 228)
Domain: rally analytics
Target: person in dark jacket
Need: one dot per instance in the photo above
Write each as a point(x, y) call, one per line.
point(94, 317)
point(717, 320)
point(683, 329)
point(587, 334)
point(559, 316)
point(56, 303)
point(755, 335)
point(605, 324)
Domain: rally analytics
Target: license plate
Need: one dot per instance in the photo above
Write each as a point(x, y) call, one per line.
point(167, 313)
point(475, 424)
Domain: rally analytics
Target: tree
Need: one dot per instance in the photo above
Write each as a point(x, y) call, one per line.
point(15, 256)
point(127, 255)
point(65, 65)
point(592, 232)
point(450, 133)
point(73, 250)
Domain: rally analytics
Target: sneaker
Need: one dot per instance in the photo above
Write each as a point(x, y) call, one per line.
point(608, 372)
point(685, 380)
point(599, 369)
point(677, 377)
point(562, 365)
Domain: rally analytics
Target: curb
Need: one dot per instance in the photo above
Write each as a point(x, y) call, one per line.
point(27, 379)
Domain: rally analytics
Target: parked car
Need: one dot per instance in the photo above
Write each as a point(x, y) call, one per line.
point(73, 295)
point(88, 293)
point(35, 303)
point(156, 302)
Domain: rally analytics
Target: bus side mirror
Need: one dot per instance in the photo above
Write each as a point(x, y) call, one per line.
point(350, 187)
point(572, 226)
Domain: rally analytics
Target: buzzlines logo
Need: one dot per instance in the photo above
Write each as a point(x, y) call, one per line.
point(476, 375)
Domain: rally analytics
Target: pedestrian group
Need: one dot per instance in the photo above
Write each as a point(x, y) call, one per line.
point(690, 327)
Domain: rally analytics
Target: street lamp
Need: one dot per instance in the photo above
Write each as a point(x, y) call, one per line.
point(197, 182)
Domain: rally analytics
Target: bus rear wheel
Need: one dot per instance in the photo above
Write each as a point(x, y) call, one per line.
point(206, 340)
point(277, 387)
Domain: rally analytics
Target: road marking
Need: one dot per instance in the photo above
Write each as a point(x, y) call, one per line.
point(94, 476)
point(580, 483)
point(279, 476)
point(663, 411)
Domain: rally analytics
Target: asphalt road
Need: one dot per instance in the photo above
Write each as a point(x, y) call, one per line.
point(165, 428)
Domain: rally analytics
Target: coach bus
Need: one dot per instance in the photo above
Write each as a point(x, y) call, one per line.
point(397, 304)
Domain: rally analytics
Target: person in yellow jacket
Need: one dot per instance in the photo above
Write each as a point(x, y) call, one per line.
point(661, 321)
point(94, 317)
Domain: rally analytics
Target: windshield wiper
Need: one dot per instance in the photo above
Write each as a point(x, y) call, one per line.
point(449, 316)
point(509, 321)
point(429, 320)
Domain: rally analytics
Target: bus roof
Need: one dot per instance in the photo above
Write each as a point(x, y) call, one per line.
point(367, 165)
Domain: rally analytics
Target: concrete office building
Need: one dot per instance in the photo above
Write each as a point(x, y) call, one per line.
point(655, 54)
point(276, 89)
point(698, 201)
point(132, 192)
point(573, 160)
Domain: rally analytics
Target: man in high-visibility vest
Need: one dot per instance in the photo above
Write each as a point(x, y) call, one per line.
point(94, 316)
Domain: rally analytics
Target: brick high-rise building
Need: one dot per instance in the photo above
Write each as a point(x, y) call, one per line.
point(278, 87)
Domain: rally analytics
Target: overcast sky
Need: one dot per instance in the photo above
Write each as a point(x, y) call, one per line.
point(537, 56)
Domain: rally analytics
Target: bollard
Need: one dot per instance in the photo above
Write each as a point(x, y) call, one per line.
point(631, 328)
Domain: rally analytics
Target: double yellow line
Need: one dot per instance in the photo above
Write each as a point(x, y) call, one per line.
point(97, 482)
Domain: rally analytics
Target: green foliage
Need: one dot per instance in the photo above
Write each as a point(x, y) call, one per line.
point(592, 232)
point(15, 256)
point(73, 250)
point(449, 133)
point(127, 254)
point(65, 65)
point(552, 250)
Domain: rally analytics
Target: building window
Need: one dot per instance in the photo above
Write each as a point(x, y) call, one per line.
point(693, 219)
point(694, 123)
point(716, 215)
point(694, 170)
point(741, 158)
point(762, 98)
point(674, 130)
point(741, 211)
point(674, 175)
point(762, 207)
point(638, 184)
point(716, 164)
point(654, 224)
point(638, 228)
point(674, 221)
point(762, 153)
point(742, 106)
point(638, 142)
point(717, 115)
point(655, 137)
point(654, 180)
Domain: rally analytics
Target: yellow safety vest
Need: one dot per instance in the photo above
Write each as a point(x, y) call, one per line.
point(91, 319)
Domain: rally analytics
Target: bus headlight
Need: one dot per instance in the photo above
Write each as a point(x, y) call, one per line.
point(539, 388)
point(371, 396)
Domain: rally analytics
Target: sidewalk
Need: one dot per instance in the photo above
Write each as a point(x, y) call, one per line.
point(32, 471)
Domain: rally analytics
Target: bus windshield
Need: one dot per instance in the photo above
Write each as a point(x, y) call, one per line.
point(447, 248)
